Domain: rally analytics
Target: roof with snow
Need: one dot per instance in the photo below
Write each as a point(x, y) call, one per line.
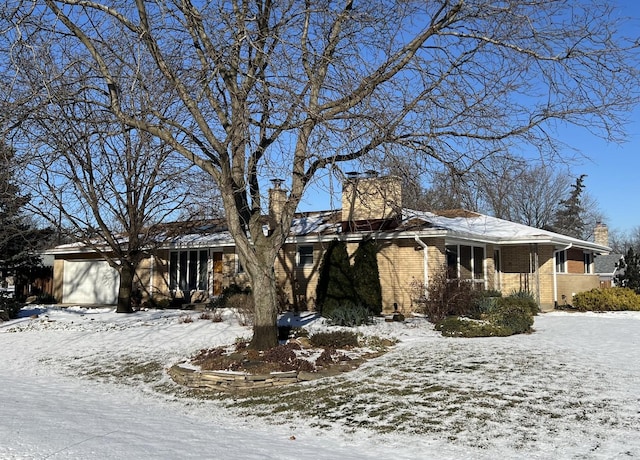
point(458, 224)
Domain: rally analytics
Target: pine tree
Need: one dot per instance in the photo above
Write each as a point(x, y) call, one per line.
point(335, 284)
point(569, 217)
point(366, 276)
point(18, 238)
point(629, 276)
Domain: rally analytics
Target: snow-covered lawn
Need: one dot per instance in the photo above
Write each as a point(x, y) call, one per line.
point(84, 384)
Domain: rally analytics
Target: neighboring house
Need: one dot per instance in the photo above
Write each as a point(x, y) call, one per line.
point(606, 267)
point(491, 253)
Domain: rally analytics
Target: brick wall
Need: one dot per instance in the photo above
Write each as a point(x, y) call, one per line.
point(297, 284)
point(575, 261)
point(371, 198)
point(570, 284)
point(400, 263)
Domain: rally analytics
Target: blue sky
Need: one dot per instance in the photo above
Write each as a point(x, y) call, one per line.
point(613, 172)
point(612, 169)
point(613, 175)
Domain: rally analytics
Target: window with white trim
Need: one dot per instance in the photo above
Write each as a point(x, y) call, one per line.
point(561, 261)
point(588, 262)
point(188, 270)
point(304, 256)
point(465, 262)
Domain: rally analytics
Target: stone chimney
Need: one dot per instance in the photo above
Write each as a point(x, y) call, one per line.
point(601, 234)
point(369, 197)
point(277, 198)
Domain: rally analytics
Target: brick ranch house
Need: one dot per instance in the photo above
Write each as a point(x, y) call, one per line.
point(413, 246)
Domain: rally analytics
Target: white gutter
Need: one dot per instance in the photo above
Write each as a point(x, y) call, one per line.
point(425, 262)
point(555, 273)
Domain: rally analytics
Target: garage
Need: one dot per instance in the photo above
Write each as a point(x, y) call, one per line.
point(88, 282)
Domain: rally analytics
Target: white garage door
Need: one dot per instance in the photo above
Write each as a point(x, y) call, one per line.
point(90, 282)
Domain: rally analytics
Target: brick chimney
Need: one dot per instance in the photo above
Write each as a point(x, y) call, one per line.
point(369, 197)
point(277, 198)
point(601, 234)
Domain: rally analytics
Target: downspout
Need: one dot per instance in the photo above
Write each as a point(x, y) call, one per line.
point(425, 262)
point(555, 273)
point(536, 267)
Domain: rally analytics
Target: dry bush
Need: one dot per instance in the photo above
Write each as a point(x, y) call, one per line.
point(449, 298)
point(185, 318)
point(244, 308)
point(216, 316)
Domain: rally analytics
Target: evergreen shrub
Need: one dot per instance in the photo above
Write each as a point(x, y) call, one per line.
point(507, 316)
point(350, 316)
point(608, 299)
point(9, 308)
point(513, 313)
point(366, 276)
point(335, 287)
point(527, 296)
point(455, 326)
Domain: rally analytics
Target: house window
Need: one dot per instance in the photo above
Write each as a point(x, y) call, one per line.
point(478, 262)
point(203, 270)
point(239, 267)
point(561, 261)
point(452, 261)
point(188, 270)
point(305, 256)
point(588, 262)
point(465, 262)
point(497, 266)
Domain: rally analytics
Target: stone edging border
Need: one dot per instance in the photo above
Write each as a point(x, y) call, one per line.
point(239, 381)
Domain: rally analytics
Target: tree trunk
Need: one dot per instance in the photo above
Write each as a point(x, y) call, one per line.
point(126, 286)
point(265, 322)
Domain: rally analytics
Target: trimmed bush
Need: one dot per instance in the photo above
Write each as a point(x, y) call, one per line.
point(335, 287)
point(349, 316)
point(608, 299)
point(366, 276)
point(507, 316)
point(454, 326)
point(529, 297)
point(513, 313)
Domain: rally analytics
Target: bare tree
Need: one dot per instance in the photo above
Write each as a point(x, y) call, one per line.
point(503, 186)
point(621, 241)
point(105, 184)
point(536, 195)
point(254, 89)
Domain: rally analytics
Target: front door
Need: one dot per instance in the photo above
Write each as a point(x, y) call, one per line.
point(216, 257)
